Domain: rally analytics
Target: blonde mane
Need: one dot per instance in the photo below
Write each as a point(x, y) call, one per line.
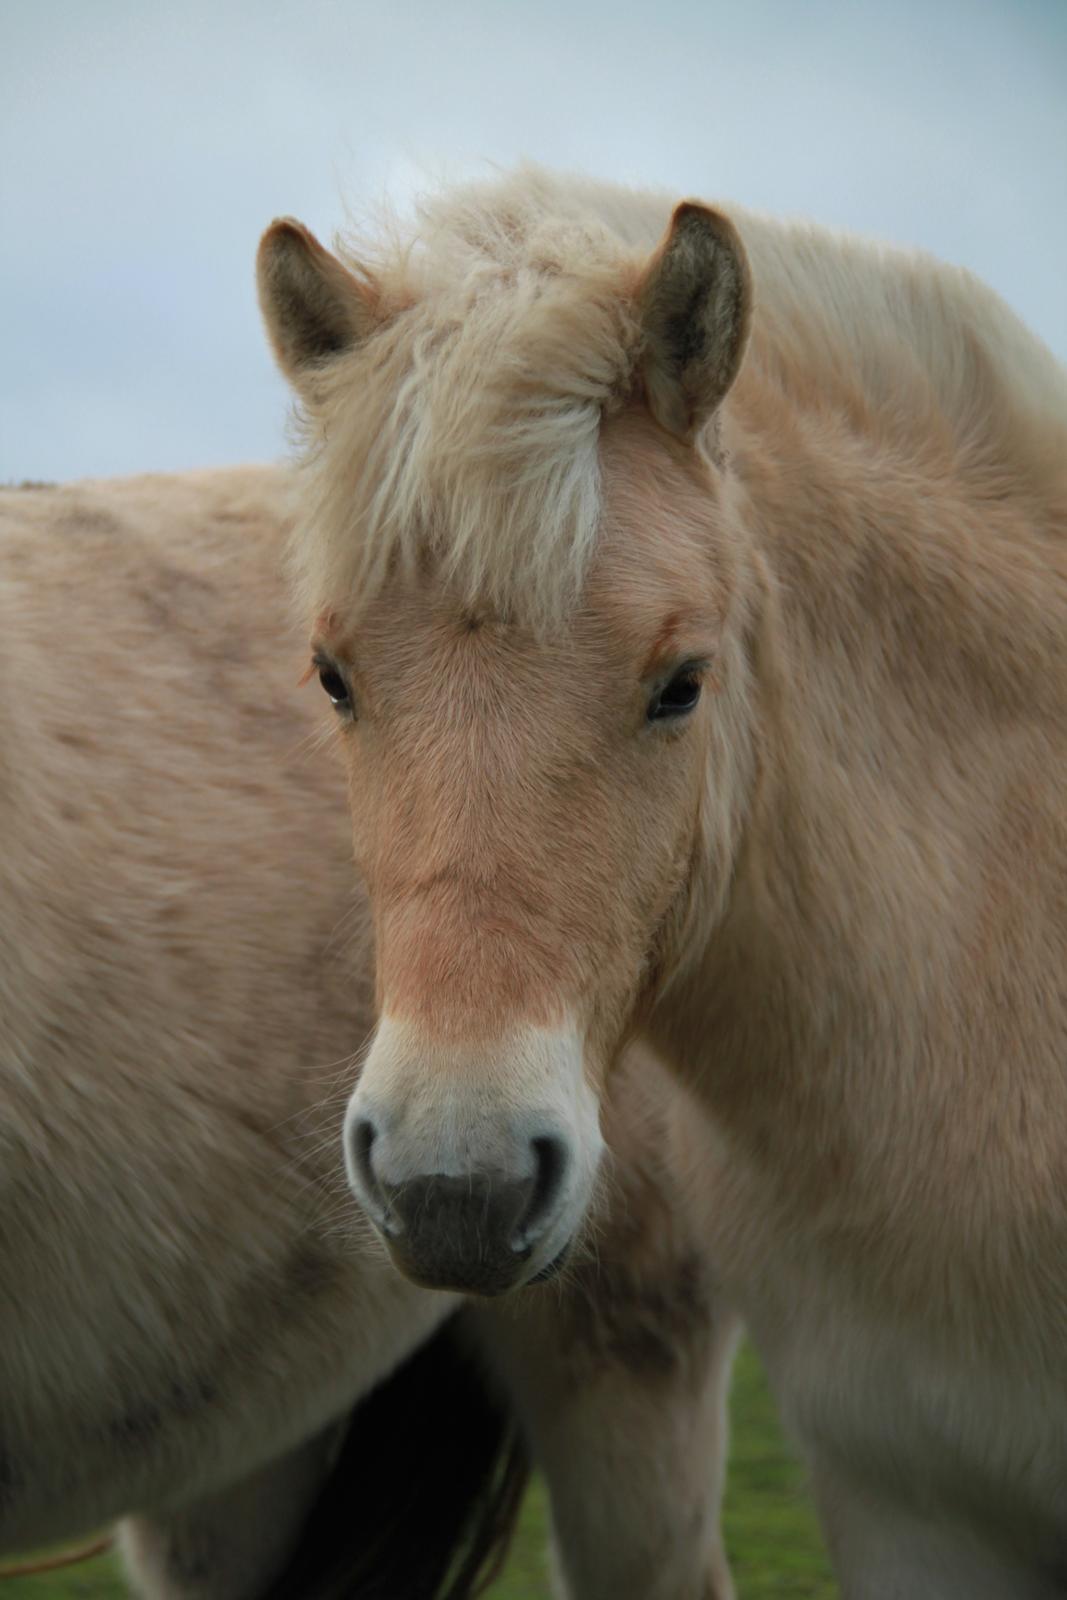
point(465, 427)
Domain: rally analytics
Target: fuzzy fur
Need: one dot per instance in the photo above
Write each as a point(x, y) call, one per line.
point(498, 329)
point(835, 897)
point(191, 1304)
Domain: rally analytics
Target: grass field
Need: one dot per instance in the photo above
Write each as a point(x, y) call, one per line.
point(770, 1533)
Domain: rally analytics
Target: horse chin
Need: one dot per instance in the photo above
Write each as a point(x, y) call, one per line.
point(487, 1277)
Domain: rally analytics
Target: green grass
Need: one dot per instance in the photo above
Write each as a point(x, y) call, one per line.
point(774, 1546)
point(771, 1537)
point(93, 1580)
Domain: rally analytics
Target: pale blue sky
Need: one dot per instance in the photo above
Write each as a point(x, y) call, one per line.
point(144, 145)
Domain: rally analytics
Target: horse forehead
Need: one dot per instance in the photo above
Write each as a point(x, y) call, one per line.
point(464, 652)
point(420, 638)
point(654, 562)
point(443, 671)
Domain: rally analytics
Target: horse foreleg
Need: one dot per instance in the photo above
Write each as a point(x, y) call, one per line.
point(882, 1550)
point(230, 1545)
point(626, 1418)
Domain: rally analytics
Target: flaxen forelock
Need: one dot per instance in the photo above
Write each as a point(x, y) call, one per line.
point(465, 428)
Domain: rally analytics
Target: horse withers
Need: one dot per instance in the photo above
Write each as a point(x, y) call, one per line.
point(691, 591)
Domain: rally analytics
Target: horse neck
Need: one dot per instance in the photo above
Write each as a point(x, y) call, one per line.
point(907, 667)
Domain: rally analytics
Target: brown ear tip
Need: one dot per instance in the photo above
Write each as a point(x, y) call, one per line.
point(709, 218)
point(685, 209)
point(283, 231)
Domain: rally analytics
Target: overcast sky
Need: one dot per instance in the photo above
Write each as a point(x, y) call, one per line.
point(144, 144)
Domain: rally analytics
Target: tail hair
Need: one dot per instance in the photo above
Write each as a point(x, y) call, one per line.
point(425, 1494)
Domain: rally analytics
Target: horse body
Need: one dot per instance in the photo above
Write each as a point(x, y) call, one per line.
point(191, 1305)
point(168, 1280)
point(741, 563)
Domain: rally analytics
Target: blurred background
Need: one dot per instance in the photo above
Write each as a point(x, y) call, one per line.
point(143, 147)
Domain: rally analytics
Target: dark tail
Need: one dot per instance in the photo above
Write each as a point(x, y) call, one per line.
point(425, 1493)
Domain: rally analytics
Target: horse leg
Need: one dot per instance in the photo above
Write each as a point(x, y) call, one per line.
point(629, 1432)
point(230, 1545)
point(635, 1473)
point(882, 1550)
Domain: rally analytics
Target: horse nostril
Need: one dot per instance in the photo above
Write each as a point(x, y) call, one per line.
point(363, 1136)
point(550, 1157)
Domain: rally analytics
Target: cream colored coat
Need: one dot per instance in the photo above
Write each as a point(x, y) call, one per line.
point(564, 451)
point(190, 1302)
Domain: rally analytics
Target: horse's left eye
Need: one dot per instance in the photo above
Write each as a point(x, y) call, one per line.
point(677, 697)
point(335, 686)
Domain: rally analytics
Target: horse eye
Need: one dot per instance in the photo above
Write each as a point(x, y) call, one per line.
point(335, 687)
point(677, 698)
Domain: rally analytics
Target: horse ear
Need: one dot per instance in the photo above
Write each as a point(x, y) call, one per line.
point(314, 308)
point(694, 301)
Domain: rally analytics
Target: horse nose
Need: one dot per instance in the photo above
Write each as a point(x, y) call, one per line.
point(472, 1232)
point(460, 1233)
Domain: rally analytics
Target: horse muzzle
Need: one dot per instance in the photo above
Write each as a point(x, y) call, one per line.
point(476, 1174)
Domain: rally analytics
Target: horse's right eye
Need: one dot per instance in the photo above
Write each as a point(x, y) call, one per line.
point(335, 687)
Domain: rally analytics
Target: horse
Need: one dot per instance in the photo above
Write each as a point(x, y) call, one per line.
point(691, 591)
point(200, 1336)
